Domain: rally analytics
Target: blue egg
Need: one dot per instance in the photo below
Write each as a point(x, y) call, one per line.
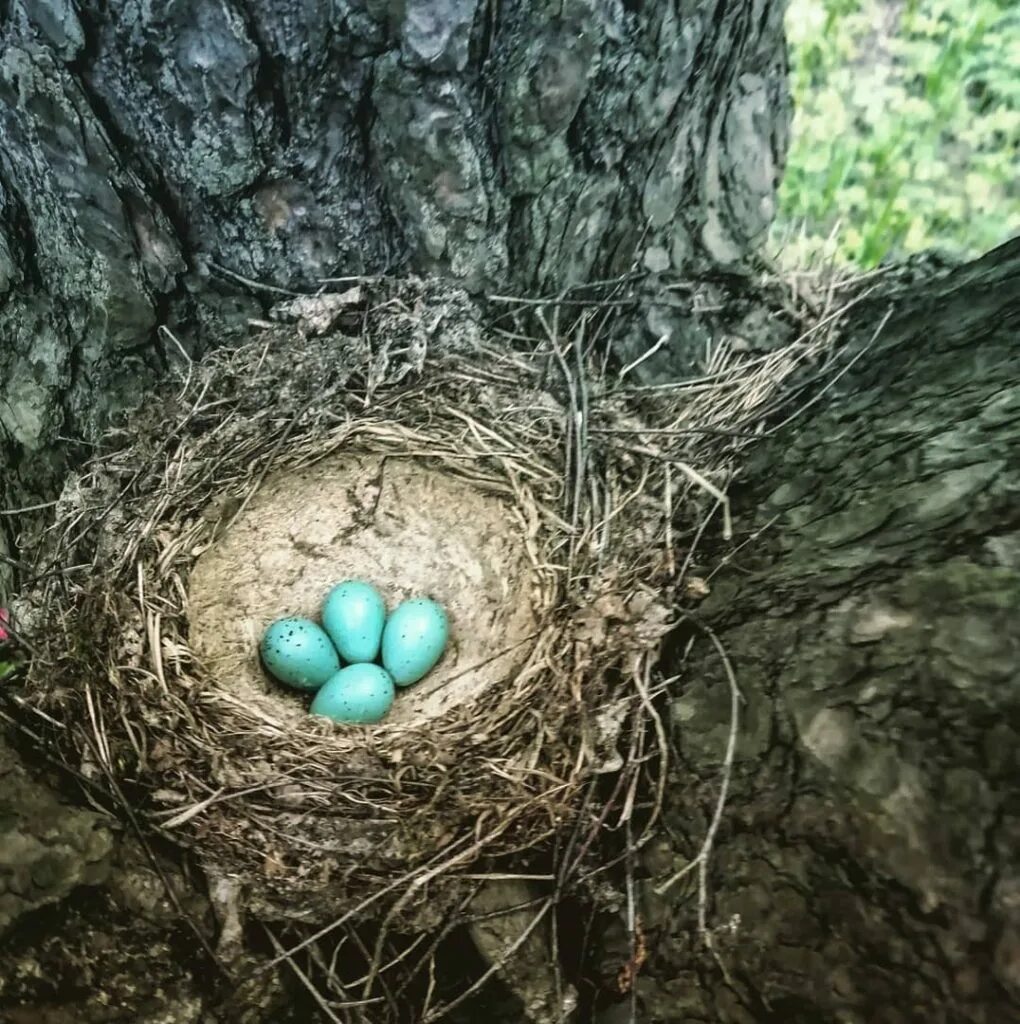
point(353, 616)
point(298, 653)
point(414, 639)
point(358, 694)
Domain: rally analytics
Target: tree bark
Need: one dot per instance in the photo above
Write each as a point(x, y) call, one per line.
point(154, 157)
point(866, 867)
point(177, 165)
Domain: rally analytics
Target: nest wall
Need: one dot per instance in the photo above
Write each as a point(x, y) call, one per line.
point(148, 655)
point(395, 439)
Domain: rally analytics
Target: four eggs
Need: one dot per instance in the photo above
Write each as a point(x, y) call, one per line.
point(355, 630)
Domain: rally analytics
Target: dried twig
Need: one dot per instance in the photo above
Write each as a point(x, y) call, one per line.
point(442, 1011)
point(701, 861)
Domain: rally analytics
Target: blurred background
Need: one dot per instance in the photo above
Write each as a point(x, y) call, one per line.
point(906, 131)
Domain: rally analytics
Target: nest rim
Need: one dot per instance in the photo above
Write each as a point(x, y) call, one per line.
point(256, 808)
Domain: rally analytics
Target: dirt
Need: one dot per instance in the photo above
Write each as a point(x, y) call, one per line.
point(409, 530)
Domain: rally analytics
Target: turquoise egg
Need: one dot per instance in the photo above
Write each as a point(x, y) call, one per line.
point(413, 639)
point(298, 653)
point(353, 616)
point(358, 694)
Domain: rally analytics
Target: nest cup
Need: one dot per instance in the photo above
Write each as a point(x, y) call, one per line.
point(398, 448)
point(410, 529)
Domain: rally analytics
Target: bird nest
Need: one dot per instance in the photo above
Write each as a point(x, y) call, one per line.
point(390, 438)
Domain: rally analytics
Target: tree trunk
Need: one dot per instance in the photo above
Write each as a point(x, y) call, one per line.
point(178, 164)
point(155, 157)
point(866, 867)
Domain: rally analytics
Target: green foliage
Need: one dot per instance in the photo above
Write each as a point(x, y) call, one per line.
point(907, 128)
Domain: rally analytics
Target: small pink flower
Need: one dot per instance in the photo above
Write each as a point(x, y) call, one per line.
point(4, 617)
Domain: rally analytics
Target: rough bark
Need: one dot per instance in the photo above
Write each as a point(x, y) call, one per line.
point(149, 153)
point(153, 156)
point(159, 163)
point(46, 847)
point(866, 868)
point(123, 952)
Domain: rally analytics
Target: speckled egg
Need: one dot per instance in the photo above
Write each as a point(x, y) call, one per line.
point(357, 695)
point(413, 639)
point(299, 653)
point(353, 615)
